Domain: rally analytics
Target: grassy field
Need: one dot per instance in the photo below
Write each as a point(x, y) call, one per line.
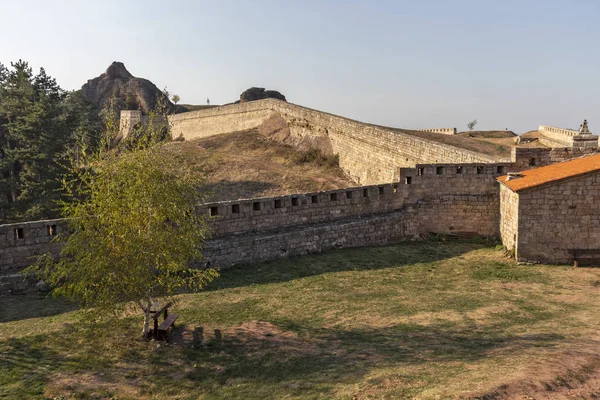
point(246, 165)
point(426, 320)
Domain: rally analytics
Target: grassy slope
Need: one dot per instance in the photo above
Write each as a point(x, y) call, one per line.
point(246, 165)
point(423, 320)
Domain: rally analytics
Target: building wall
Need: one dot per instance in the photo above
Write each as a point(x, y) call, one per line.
point(509, 217)
point(557, 217)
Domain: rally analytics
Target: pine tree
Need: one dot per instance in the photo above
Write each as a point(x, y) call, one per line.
point(38, 123)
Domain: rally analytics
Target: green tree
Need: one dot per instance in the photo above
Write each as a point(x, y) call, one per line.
point(156, 129)
point(130, 102)
point(175, 98)
point(472, 124)
point(37, 121)
point(135, 227)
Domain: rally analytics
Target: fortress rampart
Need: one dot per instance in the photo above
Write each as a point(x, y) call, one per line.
point(558, 137)
point(435, 188)
point(553, 136)
point(445, 131)
point(370, 154)
point(429, 198)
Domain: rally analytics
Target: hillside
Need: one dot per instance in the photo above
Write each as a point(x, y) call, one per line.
point(246, 165)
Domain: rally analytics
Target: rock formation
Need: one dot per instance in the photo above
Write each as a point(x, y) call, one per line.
point(132, 93)
point(256, 93)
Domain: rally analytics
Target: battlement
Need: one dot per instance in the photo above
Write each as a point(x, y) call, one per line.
point(445, 131)
point(559, 137)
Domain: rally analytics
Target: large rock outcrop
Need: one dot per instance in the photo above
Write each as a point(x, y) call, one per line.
point(256, 93)
point(131, 92)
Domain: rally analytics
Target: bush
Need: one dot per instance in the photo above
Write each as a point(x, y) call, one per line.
point(317, 157)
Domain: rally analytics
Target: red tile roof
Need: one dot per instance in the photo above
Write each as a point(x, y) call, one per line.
point(551, 173)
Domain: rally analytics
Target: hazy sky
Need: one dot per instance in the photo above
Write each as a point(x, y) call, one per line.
point(412, 64)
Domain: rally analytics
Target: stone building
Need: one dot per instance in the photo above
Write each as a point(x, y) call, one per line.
point(551, 214)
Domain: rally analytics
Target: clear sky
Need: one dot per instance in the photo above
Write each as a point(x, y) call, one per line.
point(411, 64)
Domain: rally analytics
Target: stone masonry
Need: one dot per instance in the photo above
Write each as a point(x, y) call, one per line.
point(546, 222)
point(370, 154)
point(411, 187)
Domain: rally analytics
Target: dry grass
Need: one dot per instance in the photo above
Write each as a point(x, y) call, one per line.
point(246, 165)
point(427, 320)
point(476, 144)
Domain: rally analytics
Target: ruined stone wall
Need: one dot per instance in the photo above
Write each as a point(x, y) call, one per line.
point(509, 217)
point(557, 217)
point(369, 154)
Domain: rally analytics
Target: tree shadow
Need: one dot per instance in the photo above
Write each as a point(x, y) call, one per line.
point(32, 305)
point(257, 355)
point(335, 356)
point(350, 259)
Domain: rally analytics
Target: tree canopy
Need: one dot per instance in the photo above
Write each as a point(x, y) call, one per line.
point(39, 121)
point(134, 228)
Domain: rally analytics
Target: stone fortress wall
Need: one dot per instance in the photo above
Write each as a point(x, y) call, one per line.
point(445, 198)
point(410, 187)
point(370, 154)
point(129, 119)
point(445, 131)
point(558, 137)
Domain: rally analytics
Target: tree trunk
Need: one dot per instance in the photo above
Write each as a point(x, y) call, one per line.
point(147, 318)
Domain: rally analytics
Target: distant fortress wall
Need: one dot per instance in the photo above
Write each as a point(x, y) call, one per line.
point(218, 120)
point(559, 138)
point(445, 131)
point(556, 137)
point(370, 154)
